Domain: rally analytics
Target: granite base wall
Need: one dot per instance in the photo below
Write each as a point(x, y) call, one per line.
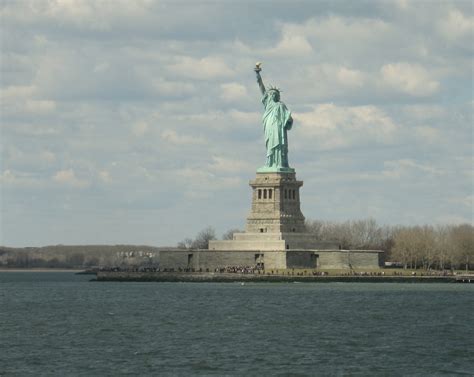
point(205, 259)
point(309, 259)
point(350, 258)
point(301, 259)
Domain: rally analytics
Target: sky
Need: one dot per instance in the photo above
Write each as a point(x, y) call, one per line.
point(139, 122)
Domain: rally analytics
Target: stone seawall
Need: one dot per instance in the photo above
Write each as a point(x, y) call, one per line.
point(235, 277)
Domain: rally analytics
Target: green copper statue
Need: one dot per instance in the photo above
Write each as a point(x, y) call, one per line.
point(276, 121)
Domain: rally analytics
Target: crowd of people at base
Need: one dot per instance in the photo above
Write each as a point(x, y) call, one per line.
point(400, 273)
point(363, 273)
point(433, 273)
point(227, 269)
point(129, 269)
point(258, 270)
point(296, 273)
point(237, 270)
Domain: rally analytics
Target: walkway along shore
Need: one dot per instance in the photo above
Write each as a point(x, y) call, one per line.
point(121, 276)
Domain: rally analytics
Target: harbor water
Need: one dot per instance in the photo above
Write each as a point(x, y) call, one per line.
point(62, 324)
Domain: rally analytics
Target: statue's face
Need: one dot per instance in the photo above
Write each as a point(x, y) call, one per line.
point(275, 95)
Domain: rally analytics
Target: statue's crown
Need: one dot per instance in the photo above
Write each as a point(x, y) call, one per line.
point(274, 88)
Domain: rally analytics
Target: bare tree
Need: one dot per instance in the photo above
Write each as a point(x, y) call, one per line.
point(387, 240)
point(339, 232)
point(185, 244)
point(315, 227)
point(403, 246)
point(463, 240)
point(426, 246)
point(229, 235)
point(443, 246)
point(364, 234)
point(203, 237)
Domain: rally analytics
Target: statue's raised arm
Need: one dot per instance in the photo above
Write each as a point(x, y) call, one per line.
point(259, 78)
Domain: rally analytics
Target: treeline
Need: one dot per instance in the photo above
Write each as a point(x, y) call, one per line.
point(427, 246)
point(78, 256)
point(434, 247)
point(356, 235)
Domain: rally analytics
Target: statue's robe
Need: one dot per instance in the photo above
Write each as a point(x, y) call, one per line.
point(276, 121)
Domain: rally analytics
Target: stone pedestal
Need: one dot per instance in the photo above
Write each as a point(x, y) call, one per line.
point(275, 204)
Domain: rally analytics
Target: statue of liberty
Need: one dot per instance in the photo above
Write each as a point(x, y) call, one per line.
point(276, 121)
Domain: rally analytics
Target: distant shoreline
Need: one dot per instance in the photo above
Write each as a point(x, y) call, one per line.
point(235, 277)
point(128, 276)
point(74, 270)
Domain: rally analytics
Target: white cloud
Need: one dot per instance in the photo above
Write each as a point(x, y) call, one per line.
point(195, 175)
point(101, 67)
point(105, 176)
point(225, 165)
point(201, 69)
point(14, 92)
point(90, 15)
point(233, 92)
point(292, 44)
point(403, 167)
point(202, 183)
point(349, 77)
point(21, 99)
point(7, 176)
point(40, 107)
point(173, 137)
point(330, 126)
point(140, 128)
point(453, 219)
point(428, 134)
point(35, 129)
point(245, 117)
point(338, 31)
point(23, 158)
point(402, 4)
point(412, 79)
point(173, 88)
point(19, 179)
point(47, 156)
point(68, 177)
point(457, 25)
point(423, 112)
point(467, 201)
point(144, 172)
